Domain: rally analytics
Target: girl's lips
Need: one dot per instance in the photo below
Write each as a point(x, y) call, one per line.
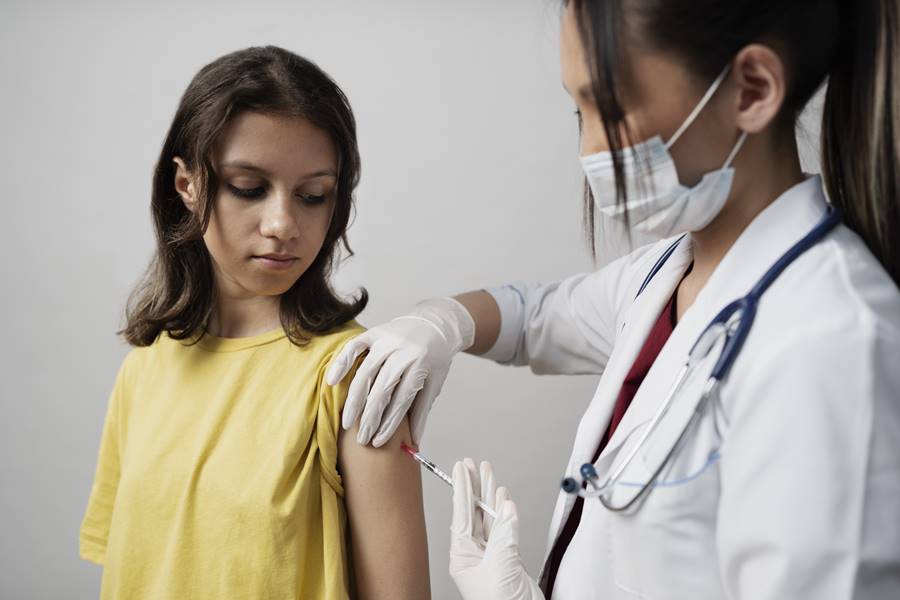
point(275, 262)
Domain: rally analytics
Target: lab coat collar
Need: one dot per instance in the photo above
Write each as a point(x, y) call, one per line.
point(780, 225)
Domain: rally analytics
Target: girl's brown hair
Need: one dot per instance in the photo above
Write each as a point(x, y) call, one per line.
point(177, 293)
point(853, 44)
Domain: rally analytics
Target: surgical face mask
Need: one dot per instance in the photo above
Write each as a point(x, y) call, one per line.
point(657, 203)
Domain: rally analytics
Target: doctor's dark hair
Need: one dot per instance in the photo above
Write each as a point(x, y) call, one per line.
point(853, 44)
point(177, 293)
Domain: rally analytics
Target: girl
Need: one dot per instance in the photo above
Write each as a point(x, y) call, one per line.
point(781, 481)
point(222, 473)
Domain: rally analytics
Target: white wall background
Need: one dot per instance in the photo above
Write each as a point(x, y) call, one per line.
point(470, 178)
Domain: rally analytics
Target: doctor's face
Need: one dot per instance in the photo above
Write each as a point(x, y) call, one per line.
point(657, 93)
point(277, 180)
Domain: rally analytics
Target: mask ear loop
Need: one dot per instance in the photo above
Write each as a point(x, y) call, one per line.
point(700, 105)
point(735, 150)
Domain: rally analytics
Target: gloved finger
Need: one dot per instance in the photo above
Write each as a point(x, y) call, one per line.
point(461, 523)
point(501, 496)
point(488, 494)
point(390, 421)
point(413, 378)
point(380, 395)
point(423, 389)
point(477, 521)
point(466, 552)
point(341, 363)
point(504, 542)
point(359, 387)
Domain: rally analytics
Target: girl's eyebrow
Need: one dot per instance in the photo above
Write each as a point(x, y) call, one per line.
point(242, 164)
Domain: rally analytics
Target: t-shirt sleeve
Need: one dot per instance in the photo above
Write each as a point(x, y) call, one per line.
point(331, 403)
point(97, 517)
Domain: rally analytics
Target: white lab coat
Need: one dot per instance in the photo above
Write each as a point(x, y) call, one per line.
point(789, 487)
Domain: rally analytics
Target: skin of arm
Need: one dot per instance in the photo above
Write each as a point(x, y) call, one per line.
point(383, 495)
point(486, 314)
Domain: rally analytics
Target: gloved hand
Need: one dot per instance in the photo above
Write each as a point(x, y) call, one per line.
point(484, 554)
point(408, 361)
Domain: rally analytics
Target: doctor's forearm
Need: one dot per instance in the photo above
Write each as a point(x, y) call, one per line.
point(486, 314)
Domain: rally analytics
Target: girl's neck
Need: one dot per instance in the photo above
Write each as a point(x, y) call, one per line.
point(236, 316)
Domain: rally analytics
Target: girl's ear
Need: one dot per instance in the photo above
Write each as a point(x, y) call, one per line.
point(759, 76)
point(184, 184)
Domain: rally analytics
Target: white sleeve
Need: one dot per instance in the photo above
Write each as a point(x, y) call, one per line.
point(811, 471)
point(566, 327)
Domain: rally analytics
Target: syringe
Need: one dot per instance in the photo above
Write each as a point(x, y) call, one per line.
point(444, 477)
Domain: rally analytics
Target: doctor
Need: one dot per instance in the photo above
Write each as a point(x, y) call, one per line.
point(783, 479)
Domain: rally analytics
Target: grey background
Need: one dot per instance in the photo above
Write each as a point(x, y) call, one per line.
point(470, 178)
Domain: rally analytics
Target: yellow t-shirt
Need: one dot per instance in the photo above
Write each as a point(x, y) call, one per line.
point(217, 475)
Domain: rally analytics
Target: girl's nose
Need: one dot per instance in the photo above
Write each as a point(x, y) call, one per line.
point(278, 218)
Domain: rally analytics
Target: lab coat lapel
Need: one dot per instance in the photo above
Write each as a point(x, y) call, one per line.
point(643, 315)
point(639, 319)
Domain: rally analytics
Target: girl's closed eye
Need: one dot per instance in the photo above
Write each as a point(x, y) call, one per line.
point(258, 191)
point(247, 192)
point(314, 199)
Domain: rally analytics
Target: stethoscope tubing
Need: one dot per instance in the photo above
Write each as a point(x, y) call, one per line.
point(740, 312)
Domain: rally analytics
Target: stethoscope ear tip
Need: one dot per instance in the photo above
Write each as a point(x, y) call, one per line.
point(588, 471)
point(569, 485)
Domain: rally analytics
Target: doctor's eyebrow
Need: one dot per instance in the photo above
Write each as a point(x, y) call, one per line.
point(248, 166)
point(585, 91)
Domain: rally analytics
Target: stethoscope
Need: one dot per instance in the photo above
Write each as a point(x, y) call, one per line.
point(728, 330)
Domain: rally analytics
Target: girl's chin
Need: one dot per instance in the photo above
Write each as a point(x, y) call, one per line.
point(271, 286)
point(242, 281)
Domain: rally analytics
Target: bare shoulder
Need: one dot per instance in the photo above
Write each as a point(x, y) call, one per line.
point(380, 470)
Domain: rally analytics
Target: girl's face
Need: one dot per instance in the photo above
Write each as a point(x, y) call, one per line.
point(277, 184)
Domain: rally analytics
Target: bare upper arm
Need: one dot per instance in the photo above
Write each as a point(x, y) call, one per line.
point(383, 494)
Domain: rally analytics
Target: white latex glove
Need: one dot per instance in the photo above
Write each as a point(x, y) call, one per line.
point(408, 361)
point(484, 554)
